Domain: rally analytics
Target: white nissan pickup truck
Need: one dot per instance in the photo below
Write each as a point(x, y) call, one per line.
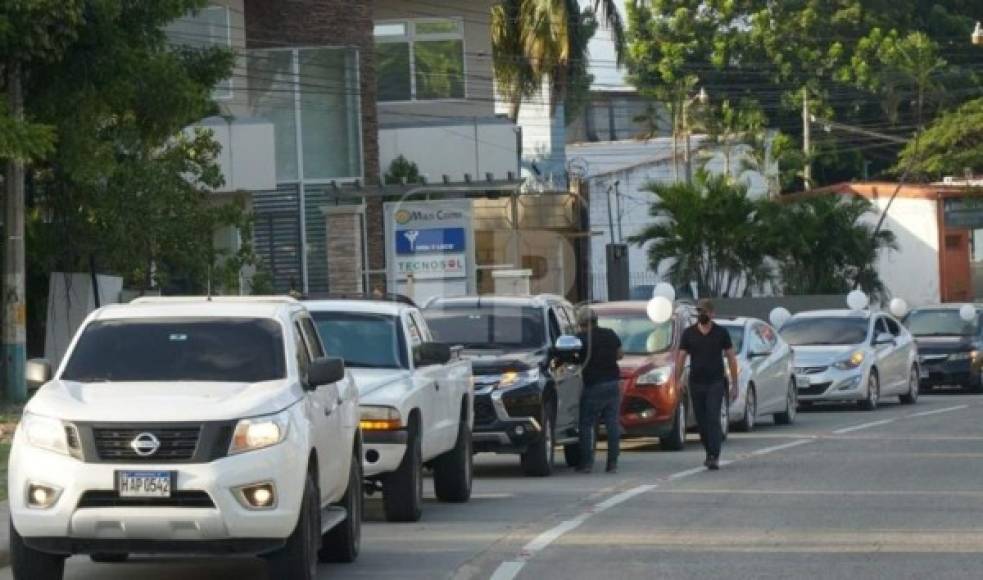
point(189, 426)
point(416, 400)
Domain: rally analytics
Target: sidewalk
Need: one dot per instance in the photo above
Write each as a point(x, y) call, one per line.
point(4, 534)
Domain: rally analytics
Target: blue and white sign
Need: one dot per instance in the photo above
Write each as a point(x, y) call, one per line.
point(430, 241)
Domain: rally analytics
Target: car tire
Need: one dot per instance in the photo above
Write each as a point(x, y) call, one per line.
point(676, 439)
point(911, 397)
point(105, 558)
point(298, 559)
point(746, 424)
point(402, 490)
point(453, 471)
point(787, 417)
point(342, 543)
point(537, 461)
point(725, 417)
point(976, 385)
point(30, 564)
point(873, 393)
point(572, 454)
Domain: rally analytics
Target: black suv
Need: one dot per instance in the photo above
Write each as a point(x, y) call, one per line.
point(527, 387)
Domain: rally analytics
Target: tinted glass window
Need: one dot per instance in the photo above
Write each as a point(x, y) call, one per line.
point(363, 340)
point(222, 350)
point(892, 326)
point(736, 336)
point(815, 331)
point(638, 334)
point(492, 326)
point(303, 354)
point(313, 340)
point(945, 322)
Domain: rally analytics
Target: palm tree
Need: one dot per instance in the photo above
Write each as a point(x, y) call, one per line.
point(539, 40)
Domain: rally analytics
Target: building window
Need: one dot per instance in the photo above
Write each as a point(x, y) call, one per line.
point(420, 60)
point(312, 97)
point(207, 28)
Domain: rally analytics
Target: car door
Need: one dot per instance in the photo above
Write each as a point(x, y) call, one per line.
point(448, 386)
point(569, 382)
point(426, 387)
point(324, 415)
point(903, 354)
point(766, 366)
point(886, 355)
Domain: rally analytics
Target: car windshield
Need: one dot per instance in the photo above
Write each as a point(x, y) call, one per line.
point(239, 350)
point(362, 340)
point(736, 336)
point(638, 334)
point(817, 331)
point(489, 326)
point(940, 322)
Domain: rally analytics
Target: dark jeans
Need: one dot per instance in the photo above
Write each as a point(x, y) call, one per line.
point(707, 400)
point(600, 401)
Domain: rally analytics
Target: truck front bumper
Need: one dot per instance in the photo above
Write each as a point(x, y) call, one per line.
point(507, 421)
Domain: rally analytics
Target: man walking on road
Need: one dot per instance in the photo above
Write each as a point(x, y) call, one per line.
point(602, 394)
point(706, 344)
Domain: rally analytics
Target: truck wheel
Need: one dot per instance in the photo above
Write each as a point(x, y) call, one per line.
point(30, 564)
point(297, 560)
point(104, 558)
point(537, 461)
point(402, 490)
point(676, 439)
point(452, 471)
point(572, 455)
point(342, 543)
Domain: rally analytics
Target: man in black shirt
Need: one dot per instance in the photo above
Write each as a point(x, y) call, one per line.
point(706, 344)
point(602, 393)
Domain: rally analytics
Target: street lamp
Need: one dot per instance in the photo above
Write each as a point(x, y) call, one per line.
point(702, 98)
point(977, 36)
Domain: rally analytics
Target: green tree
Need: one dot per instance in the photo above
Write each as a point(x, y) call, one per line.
point(402, 170)
point(951, 145)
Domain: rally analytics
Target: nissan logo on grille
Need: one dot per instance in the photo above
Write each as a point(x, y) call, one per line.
point(145, 444)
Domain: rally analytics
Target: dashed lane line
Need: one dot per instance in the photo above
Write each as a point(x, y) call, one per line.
point(939, 411)
point(863, 426)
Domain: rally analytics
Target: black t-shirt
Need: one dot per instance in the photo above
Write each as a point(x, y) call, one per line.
point(600, 356)
point(706, 353)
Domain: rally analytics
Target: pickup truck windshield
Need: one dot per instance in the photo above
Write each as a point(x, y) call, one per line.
point(491, 326)
point(363, 340)
point(239, 350)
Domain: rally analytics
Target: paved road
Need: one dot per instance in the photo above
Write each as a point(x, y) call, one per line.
point(842, 494)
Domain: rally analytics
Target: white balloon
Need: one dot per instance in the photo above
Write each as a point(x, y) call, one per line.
point(665, 290)
point(857, 300)
point(659, 309)
point(898, 307)
point(779, 316)
point(967, 312)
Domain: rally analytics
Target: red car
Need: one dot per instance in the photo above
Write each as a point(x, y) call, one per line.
point(653, 404)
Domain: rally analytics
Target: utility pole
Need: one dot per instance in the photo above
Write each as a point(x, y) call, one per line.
point(806, 140)
point(14, 302)
point(610, 214)
point(617, 207)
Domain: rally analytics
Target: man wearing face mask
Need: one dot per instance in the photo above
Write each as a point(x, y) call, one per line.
point(707, 344)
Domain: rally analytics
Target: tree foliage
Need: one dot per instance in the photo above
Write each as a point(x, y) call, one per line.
point(951, 145)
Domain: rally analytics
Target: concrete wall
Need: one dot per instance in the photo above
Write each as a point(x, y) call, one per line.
point(912, 272)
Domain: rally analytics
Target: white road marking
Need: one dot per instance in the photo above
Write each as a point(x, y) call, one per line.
point(687, 473)
point(788, 445)
point(507, 570)
point(551, 535)
point(939, 411)
point(622, 497)
point(863, 426)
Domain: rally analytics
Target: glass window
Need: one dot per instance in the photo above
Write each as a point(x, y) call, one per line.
point(363, 340)
point(816, 331)
point(416, 337)
point(638, 334)
point(420, 60)
point(488, 327)
point(892, 326)
point(303, 354)
point(272, 96)
point(237, 350)
point(312, 337)
point(209, 27)
point(736, 336)
point(940, 322)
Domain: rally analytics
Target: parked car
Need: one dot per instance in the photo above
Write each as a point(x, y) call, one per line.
point(852, 356)
point(949, 348)
point(653, 403)
point(416, 400)
point(767, 374)
point(189, 426)
point(527, 385)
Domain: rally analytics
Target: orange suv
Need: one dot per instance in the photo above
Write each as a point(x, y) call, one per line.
point(652, 402)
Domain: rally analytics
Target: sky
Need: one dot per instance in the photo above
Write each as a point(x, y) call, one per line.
point(602, 55)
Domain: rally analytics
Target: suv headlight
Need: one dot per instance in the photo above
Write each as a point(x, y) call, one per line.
point(655, 377)
point(259, 432)
point(972, 355)
point(512, 378)
point(50, 434)
point(853, 361)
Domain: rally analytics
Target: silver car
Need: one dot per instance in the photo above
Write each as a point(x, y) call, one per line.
point(767, 375)
point(852, 356)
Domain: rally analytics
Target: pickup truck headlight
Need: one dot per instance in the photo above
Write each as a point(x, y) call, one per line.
point(655, 377)
point(853, 361)
point(512, 378)
point(50, 434)
point(259, 432)
point(375, 418)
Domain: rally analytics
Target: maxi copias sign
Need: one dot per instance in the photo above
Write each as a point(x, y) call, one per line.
point(433, 241)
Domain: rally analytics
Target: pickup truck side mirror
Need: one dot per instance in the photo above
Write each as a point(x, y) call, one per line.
point(432, 353)
point(37, 372)
point(325, 370)
point(884, 338)
point(567, 348)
